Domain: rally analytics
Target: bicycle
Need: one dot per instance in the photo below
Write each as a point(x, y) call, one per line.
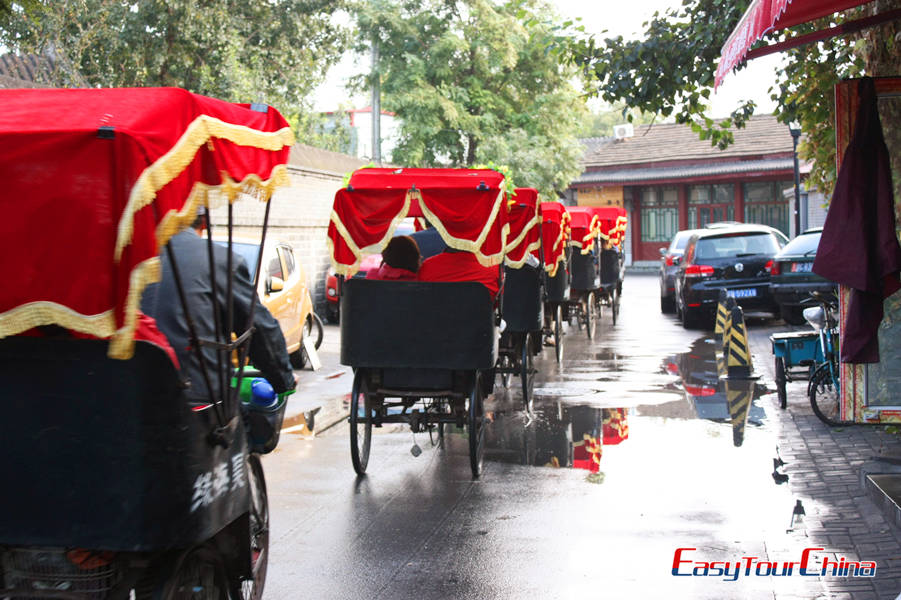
point(824, 388)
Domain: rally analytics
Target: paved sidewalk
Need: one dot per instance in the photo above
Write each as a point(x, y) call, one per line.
point(827, 468)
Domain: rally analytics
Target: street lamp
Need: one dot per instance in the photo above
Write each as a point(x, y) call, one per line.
point(795, 130)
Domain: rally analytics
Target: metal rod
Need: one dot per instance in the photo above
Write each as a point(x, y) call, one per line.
point(192, 330)
point(245, 350)
point(218, 334)
point(229, 294)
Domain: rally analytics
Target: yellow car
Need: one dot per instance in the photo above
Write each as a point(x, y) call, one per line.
point(283, 290)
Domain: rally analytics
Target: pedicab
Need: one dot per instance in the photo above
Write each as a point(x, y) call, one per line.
point(423, 352)
point(523, 306)
point(584, 268)
point(612, 222)
point(555, 235)
point(118, 485)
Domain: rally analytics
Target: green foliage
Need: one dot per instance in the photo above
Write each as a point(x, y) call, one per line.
point(275, 51)
point(670, 72)
point(328, 131)
point(466, 77)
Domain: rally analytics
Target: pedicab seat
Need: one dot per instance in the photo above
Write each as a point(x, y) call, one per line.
point(523, 303)
point(584, 272)
point(417, 325)
point(610, 266)
point(108, 454)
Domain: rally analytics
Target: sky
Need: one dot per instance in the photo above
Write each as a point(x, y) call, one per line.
point(618, 17)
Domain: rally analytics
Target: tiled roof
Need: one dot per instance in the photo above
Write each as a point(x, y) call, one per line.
point(310, 157)
point(22, 71)
point(762, 135)
point(626, 176)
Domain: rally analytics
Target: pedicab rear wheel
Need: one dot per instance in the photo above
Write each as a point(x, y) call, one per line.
point(360, 425)
point(780, 382)
point(614, 304)
point(252, 589)
point(476, 427)
point(591, 315)
point(527, 373)
point(558, 334)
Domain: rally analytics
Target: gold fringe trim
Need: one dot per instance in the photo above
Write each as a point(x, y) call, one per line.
point(350, 270)
point(469, 245)
point(518, 264)
point(212, 196)
point(42, 312)
point(172, 163)
point(122, 342)
point(522, 235)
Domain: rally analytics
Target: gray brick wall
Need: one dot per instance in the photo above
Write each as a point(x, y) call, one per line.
point(299, 216)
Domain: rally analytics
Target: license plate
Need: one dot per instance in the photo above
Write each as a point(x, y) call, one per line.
point(801, 267)
point(748, 293)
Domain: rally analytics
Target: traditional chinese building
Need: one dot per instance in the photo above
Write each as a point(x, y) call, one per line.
point(668, 179)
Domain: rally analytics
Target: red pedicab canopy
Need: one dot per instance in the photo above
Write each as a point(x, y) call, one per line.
point(524, 220)
point(612, 221)
point(464, 205)
point(554, 234)
point(584, 227)
point(97, 180)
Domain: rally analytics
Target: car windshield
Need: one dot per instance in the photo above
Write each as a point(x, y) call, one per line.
point(805, 244)
point(680, 241)
point(733, 245)
point(246, 251)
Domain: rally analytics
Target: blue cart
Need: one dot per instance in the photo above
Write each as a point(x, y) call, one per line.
point(796, 353)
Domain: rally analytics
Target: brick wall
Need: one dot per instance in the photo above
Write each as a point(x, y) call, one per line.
point(299, 216)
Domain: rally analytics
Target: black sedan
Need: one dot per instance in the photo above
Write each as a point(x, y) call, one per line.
point(736, 258)
point(792, 279)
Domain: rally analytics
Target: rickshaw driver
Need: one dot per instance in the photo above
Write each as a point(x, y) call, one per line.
point(268, 351)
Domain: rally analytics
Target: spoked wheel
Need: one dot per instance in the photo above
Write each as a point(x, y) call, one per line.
point(558, 334)
point(360, 424)
point(198, 575)
point(527, 373)
point(780, 382)
point(476, 427)
point(591, 315)
point(824, 397)
point(614, 304)
point(252, 589)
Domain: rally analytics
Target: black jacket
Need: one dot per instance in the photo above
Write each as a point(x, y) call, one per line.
point(268, 352)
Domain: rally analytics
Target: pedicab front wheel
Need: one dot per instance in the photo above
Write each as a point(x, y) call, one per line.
point(252, 589)
point(476, 427)
point(558, 334)
point(360, 424)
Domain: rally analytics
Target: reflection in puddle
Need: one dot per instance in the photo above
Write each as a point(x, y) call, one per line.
point(559, 435)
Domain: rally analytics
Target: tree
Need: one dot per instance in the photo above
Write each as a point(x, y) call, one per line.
point(275, 51)
point(670, 72)
point(473, 81)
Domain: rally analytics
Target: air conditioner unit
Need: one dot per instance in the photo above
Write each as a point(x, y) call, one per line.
point(623, 131)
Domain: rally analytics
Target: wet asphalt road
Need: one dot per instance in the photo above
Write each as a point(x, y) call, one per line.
point(676, 469)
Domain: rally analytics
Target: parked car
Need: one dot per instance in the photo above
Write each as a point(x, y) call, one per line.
point(283, 290)
point(736, 258)
point(670, 257)
point(792, 279)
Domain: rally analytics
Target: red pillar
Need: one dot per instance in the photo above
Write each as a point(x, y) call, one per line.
point(683, 206)
point(636, 224)
point(739, 191)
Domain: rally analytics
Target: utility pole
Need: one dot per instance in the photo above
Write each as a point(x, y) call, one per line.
point(796, 133)
point(376, 105)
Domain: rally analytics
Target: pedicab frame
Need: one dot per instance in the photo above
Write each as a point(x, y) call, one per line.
point(423, 353)
point(157, 494)
point(523, 298)
point(555, 236)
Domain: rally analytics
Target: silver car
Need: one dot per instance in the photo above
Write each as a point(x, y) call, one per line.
point(670, 258)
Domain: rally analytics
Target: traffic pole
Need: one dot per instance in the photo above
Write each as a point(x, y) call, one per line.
point(738, 397)
point(724, 306)
point(736, 348)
